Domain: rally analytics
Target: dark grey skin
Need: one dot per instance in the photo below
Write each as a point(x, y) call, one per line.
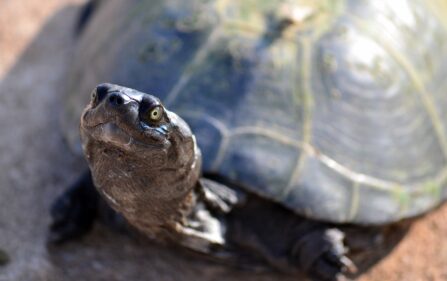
point(145, 163)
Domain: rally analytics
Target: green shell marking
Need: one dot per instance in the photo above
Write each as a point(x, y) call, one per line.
point(335, 109)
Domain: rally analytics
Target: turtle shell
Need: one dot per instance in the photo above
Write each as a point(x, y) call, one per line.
point(335, 109)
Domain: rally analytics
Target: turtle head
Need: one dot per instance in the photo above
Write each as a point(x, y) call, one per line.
point(132, 122)
point(140, 154)
point(136, 148)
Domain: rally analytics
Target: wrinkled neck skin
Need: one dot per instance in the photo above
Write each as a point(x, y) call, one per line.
point(154, 193)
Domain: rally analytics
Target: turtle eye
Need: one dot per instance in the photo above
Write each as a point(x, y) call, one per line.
point(155, 113)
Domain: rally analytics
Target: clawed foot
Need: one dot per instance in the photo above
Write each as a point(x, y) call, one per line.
point(322, 255)
point(219, 197)
point(73, 212)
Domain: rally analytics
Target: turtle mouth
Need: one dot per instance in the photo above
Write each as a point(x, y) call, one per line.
point(112, 134)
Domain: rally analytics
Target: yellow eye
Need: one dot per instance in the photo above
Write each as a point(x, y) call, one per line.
point(156, 113)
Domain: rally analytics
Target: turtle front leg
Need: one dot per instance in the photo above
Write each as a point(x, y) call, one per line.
point(289, 242)
point(205, 227)
point(202, 232)
point(74, 212)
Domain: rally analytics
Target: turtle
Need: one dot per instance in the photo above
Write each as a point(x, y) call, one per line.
point(291, 133)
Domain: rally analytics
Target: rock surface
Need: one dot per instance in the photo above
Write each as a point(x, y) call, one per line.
point(35, 43)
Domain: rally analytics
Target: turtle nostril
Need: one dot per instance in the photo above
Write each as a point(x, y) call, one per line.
point(116, 99)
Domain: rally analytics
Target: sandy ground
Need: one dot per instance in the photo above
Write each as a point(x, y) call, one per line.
point(35, 42)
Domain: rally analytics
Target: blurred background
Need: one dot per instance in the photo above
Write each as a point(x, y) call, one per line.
point(36, 41)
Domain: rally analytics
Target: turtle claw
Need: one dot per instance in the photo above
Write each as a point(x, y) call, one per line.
point(73, 212)
point(322, 255)
point(218, 196)
point(347, 265)
point(331, 268)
